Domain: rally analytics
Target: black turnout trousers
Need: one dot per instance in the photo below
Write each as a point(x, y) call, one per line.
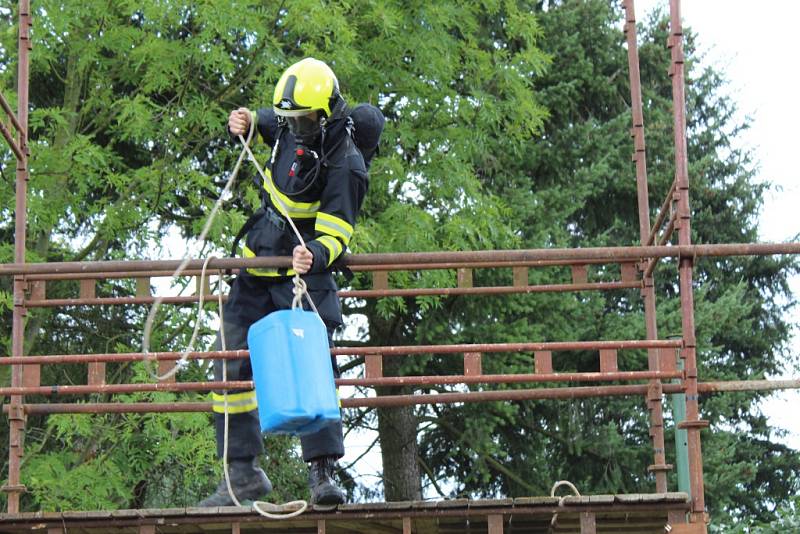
point(251, 298)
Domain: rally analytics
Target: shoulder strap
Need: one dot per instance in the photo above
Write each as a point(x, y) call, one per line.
point(251, 221)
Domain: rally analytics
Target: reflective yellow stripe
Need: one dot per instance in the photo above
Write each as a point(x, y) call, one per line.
point(338, 398)
point(237, 402)
point(233, 397)
point(297, 210)
point(333, 245)
point(332, 225)
point(267, 271)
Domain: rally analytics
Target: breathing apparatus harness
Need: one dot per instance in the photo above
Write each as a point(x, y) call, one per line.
point(305, 156)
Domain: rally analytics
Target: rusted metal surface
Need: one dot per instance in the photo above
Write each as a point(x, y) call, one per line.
point(505, 395)
point(510, 347)
point(663, 212)
point(10, 113)
point(421, 259)
point(473, 364)
point(653, 263)
point(686, 263)
point(16, 421)
point(125, 357)
point(54, 408)
point(543, 361)
point(117, 301)
point(633, 514)
point(373, 366)
point(8, 136)
point(125, 388)
point(358, 293)
point(363, 293)
point(580, 274)
point(360, 402)
point(474, 376)
point(354, 268)
point(747, 385)
point(648, 290)
point(374, 377)
point(390, 350)
point(608, 363)
point(464, 277)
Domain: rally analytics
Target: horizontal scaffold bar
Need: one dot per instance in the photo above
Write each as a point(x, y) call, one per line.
point(462, 259)
point(358, 293)
point(362, 268)
point(362, 402)
point(368, 382)
point(357, 351)
point(402, 400)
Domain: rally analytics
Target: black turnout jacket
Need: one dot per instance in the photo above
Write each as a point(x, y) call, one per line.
point(324, 208)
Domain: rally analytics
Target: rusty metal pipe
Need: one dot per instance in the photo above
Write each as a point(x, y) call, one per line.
point(368, 382)
point(121, 301)
point(172, 407)
point(11, 143)
point(56, 359)
point(686, 263)
point(13, 118)
point(357, 293)
point(662, 214)
point(357, 351)
point(125, 388)
point(653, 263)
point(511, 347)
point(748, 385)
point(457, 259)
point(505, 378)
point(355, 268)
point(362, 402)
point(648, 291)
point(16, 420)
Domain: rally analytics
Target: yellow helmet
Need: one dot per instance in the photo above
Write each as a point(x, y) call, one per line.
point(308, 85)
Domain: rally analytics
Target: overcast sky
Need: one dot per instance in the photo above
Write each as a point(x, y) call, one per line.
point(755, 44)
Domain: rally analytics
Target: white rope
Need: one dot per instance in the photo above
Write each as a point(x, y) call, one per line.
point(267, 509)
point(570, 485)
point(148, 325)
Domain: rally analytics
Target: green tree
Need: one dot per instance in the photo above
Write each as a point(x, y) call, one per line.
point(128, 103)
point(574, 186)
point(128, 100)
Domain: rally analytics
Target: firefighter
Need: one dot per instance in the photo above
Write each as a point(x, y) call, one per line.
point(321, 151)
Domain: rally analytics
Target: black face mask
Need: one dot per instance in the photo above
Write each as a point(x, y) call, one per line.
point(306, 130)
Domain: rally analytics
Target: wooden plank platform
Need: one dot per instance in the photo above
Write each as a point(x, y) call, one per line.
point(623, 514)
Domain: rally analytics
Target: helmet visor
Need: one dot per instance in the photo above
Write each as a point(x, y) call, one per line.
point(305, 127)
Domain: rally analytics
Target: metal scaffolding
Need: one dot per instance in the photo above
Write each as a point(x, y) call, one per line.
point(671, 363)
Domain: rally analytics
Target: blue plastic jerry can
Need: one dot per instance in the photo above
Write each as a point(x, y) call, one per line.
point(292, 372)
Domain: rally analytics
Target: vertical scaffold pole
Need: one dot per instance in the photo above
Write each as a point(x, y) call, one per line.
point(659, 466)
point(16, 410)
point(693, 424)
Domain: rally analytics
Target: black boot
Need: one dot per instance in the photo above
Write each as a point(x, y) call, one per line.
point(248, 481)
point(320, 480)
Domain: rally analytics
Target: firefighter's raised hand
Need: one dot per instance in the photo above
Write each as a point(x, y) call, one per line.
point(239, 121)
point(302, 258)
